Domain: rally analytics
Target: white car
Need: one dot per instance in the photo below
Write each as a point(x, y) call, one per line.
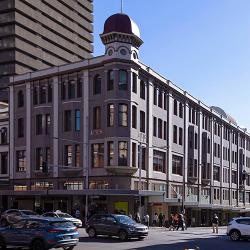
point(68, 217)
point(239, 228)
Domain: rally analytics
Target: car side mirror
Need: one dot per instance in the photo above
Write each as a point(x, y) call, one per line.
point(114, 222)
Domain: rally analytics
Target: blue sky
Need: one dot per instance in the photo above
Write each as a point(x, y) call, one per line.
point(203, 46)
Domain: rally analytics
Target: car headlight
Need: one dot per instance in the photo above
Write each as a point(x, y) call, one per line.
point(131, 229)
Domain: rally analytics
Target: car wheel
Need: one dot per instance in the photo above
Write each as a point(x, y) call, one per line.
point(2, 244)
point(235, 235)
point(123, 235)
point(68, 248)
point(38, 245)
point(92, 232)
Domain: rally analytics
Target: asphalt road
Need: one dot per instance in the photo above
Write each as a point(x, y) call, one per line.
point(164, 239)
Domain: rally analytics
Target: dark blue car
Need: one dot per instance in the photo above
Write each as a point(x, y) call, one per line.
point(40, 234)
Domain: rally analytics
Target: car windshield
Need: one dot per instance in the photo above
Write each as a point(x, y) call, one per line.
point(124, 219)
point(63, 215)
point(27, 212)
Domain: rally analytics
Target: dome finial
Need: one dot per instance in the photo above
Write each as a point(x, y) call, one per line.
point(121, 6)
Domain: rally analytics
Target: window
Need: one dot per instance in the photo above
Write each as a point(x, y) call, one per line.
point(123, 153)
point(216, 173)
point(97, 87)
point(159, 99)
point(142, 89)
point(20, 127)
point(21, 161)
point(110, 153)
point(180, 110)
point(4, 138)
point(160, 128)
point(134, 153)
point(165, 101)
point(97, 118)
point(50, 92)
point(111, 115)
point(142, 150)
point(77, 120)
point(180, 136)
point(165, 131)
point(154, 126)
point(159, 161)
point(234, 177)
point(68, 155)
point(77, 155)
point(134, 117)
point(123, 80)
point(196, 141)
point(42, 94)
point(175, 107)
point(79, 86)
point(67, 120)
point(47, 124)
point(142, 121)
point(47, 155)
point(175, 134)
point(39, 124)
point(39, 158)
point(110, 80)
point(35, 96)
point(155, 96)
point(134, 87)
point(4, 163)
point(20, 99)
point(71, 89)
point(98, 155)
point(177, 164)
point(123, 115)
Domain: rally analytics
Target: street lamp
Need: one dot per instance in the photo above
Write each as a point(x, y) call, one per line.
point(86, 172)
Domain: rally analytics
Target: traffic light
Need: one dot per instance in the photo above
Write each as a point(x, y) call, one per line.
point(44, 167)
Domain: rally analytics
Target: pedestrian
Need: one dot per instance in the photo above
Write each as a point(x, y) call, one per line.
point(160, 218)
point(146, 219)
point(77, 213)
point(155, 219)
point(171, 222)
point(181, 222)
point(137, 217)
point(215, 223)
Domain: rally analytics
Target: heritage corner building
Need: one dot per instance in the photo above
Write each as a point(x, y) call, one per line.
point(114, 129)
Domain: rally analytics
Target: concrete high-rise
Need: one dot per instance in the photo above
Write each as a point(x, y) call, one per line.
point(35, 35)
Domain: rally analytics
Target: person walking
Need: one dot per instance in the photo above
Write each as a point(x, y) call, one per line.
point(171, 222)
point(138, 217)
point(215, 223)
point(146, 219)
point(181, 222)
point(155, 219)
point(160, 219)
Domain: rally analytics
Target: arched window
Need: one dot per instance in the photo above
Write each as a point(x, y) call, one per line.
point(97, 87)
point(110, 80)
point(123, 80)
point(20, 98)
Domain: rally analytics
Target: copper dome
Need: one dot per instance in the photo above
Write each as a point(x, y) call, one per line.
point(121, 23)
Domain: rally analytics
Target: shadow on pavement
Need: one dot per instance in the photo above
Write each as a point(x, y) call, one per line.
point(104, 239)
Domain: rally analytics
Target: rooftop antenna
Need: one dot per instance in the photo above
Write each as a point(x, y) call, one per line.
point(121, 6)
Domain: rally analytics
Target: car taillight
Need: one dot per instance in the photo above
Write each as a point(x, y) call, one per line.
point(54, 230)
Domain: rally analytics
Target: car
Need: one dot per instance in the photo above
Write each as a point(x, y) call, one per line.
point(68, 217)
point(13, 215)
point(115, 225)
point(39, 233)
point(239, 228)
